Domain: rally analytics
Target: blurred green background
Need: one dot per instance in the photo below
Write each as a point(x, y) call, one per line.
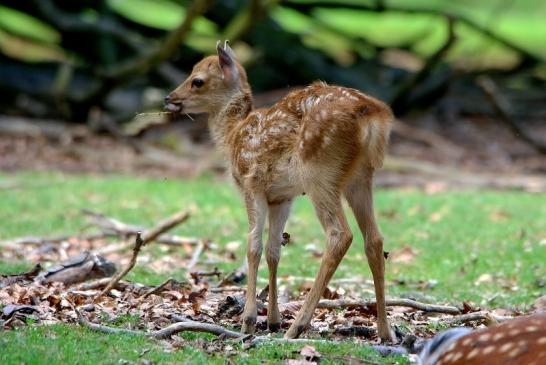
point(62, 58)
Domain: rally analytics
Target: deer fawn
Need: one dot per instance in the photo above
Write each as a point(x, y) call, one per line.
point(521, 341)
point(324, 141)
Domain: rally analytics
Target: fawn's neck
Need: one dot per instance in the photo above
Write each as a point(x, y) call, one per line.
point(224, 121)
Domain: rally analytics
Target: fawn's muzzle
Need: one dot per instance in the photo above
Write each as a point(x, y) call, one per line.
point(173, 105)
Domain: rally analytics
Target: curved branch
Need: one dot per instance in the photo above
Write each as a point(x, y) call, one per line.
point(504, 110)
point(400, 99)
point(168, 46)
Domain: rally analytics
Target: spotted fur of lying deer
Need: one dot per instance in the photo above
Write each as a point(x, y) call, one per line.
point(324, 141)
point(520, 341)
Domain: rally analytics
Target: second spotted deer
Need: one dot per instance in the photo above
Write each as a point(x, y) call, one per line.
point(324, 141)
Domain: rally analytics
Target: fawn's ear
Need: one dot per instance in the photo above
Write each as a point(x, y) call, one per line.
point(228, 65)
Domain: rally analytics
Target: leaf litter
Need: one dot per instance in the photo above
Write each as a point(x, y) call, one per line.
point(207, 300)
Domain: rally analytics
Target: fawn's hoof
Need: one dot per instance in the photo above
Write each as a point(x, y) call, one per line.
point(249, 325)
point(294, 331)
point(386, 334)
point(274, 327)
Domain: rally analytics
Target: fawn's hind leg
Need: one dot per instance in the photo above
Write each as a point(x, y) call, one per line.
point(338, 239)
point(359, 194)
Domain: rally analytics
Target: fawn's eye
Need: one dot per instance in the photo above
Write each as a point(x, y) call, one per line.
point(197, 83)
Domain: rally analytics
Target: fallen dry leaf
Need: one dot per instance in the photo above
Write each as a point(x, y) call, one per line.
point(403, 255)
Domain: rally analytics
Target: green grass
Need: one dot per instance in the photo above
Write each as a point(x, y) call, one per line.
point(64, 344)
point(458, 237)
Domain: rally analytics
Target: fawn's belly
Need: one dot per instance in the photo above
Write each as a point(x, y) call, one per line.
point(284, 180)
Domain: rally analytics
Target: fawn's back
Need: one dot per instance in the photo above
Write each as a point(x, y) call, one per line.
point(322, 127)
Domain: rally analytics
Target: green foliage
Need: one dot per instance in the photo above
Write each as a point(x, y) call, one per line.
point(27, 26)
point(159, 14)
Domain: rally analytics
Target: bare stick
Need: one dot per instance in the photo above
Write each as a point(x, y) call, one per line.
point(157, 289)
point(38, 241)
point(138, 244)
point(347, 303)
point(114, 227)
point(195, 257)
point(165, 226)
point(487, 317)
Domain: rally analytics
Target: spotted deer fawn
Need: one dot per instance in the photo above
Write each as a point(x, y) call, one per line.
point(324, 141)
point(520, 341)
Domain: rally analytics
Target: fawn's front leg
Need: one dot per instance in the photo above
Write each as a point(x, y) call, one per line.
point(256, 207)
point(278, 214)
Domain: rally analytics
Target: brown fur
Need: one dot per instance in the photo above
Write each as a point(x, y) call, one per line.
point(518, 341)
point(323, 140)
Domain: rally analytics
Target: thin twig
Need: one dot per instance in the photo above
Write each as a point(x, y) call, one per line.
point(157, 289)
point(139, 242)
point(196, 253)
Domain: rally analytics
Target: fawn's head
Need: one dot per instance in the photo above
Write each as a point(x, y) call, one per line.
point(211, 85)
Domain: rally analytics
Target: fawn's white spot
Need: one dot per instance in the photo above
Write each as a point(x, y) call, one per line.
point(323, 114)
point(485, 337)
point(247, 155)
point(507, 346)
point(457, 356)
point(473, 353)
point(515, 332)
point(326, 141)
point(498, 336)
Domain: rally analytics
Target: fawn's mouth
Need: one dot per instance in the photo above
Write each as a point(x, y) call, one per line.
point(174, 107)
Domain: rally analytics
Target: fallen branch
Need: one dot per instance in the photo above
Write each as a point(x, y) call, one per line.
point(139, 242)
point(102, 283)
point(187, 325)
point(38, 241)
point(164, 332)
point(366, 304)
point(486, 317)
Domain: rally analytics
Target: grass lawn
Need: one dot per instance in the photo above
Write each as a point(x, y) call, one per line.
point(484, 247)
